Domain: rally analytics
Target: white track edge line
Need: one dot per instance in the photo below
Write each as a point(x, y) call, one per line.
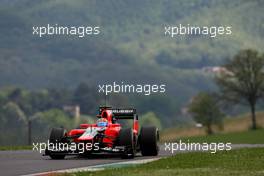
point(95, 167)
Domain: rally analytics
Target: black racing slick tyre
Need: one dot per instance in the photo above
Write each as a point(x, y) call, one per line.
point(149, 137)
point(56, 137)
point(127, 139)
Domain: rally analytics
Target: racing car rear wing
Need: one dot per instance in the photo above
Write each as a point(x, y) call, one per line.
point(121, 113)
point(124, 113)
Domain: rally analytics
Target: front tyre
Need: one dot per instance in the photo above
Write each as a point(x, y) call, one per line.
point(56, 137)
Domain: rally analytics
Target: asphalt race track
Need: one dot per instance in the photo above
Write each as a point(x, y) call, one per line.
point(25, 162)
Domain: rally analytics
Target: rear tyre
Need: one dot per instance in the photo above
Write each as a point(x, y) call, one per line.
point(127, 139)
point(56, 137)
point(149, 137)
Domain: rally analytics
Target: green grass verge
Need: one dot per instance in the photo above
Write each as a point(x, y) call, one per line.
point(26, 147)
point(236, 162)
point(246, 137)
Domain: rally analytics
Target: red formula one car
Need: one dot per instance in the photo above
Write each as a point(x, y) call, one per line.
point(107, 135)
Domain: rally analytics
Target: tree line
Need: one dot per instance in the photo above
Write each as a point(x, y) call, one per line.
point(19, 106)
point(240, 81)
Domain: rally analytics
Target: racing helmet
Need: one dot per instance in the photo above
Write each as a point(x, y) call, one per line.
point(102, 122)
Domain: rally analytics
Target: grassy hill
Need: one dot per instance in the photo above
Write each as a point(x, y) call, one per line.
point(235, 129)
point(132, 47)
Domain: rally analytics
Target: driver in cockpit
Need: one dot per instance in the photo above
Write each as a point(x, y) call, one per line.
point(102, 122)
